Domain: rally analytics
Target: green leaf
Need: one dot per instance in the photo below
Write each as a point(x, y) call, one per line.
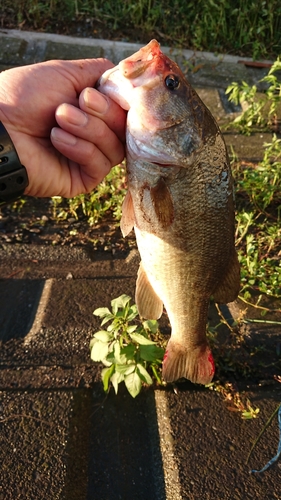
point(104, 336)
point(131, 329)
point(110, 357)
point(151, 325)
point(116, 379)
point(117, 354)
point(151, 352)
point(110, 327)
point(92, 342)
point(143, 374)
point(99, 350)
point(133, 384)
point(129, 351)
point(120, 303)
point(106, 375)
point(107, 318)
point(102, 312)
point(140, 339)
point(132, 313)
point(125, 369)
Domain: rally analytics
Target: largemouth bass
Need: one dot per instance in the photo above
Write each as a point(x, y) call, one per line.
point(180, 203)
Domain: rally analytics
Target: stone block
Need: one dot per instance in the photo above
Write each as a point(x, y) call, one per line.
point(12, 51)
point(72, 51)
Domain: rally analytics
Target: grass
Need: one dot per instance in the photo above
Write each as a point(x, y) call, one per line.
point(233, 26)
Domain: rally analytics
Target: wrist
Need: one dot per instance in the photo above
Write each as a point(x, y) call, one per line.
point(13, 175)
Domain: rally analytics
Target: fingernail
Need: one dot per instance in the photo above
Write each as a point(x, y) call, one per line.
point(61, 136)
point(77, 117)
point(96, 101)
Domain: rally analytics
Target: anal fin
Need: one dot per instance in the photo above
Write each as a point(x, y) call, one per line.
point(229, 287)
point(128, 216)
point(148, 303)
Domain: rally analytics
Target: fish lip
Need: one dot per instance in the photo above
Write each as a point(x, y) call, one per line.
point(104, 77)
point(109, 84)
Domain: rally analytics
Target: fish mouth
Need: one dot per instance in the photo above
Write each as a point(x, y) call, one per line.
point(105, 76)
point(137, 64)
point(110, 84)
point(138, 149)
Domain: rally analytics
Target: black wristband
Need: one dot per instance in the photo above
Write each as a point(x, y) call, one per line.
point(13, 175)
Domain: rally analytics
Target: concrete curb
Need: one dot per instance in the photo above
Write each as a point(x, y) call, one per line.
point(120, 49)
point(203, 68)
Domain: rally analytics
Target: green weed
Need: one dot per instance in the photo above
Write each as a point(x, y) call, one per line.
point(258, 229)
point(235, 401)
point(126, 349)
point(258, 191)
point(260, 184)
point(106, 198)
point(260, 110)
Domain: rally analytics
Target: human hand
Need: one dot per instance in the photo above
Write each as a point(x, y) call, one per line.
point(74, 158)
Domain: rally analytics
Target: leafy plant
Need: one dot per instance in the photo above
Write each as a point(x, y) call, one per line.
point(258, 231)
point(126, 350)
point(258, 190)
point(260, 110)
point(261, 183)
point(107, 196)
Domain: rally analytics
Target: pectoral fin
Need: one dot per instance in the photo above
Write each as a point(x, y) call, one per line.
point(163, 203)
point(148, 303)
point(128, 216)
point(229, 287)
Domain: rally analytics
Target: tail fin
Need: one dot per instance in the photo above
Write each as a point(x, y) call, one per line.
point(197, 364)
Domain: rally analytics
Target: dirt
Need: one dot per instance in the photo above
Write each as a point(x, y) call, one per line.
point(35, 223)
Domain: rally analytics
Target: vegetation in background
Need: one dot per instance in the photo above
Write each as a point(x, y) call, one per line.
point(258, 190)
point(107, 197)
point(261, 109)
point(233, 26)
point(258, 231)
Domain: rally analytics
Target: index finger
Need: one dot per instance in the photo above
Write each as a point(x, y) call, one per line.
point(93, 102)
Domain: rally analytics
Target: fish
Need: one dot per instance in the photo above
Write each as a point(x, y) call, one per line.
point(180, 202)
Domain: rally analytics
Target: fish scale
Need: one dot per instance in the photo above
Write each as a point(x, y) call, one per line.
point(180, 203)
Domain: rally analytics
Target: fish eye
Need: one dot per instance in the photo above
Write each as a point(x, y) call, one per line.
point(172, 82)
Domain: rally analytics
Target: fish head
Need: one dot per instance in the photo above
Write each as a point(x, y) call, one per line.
point(165, 116)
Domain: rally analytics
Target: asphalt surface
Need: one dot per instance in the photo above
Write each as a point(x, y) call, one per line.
point(61, 436)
